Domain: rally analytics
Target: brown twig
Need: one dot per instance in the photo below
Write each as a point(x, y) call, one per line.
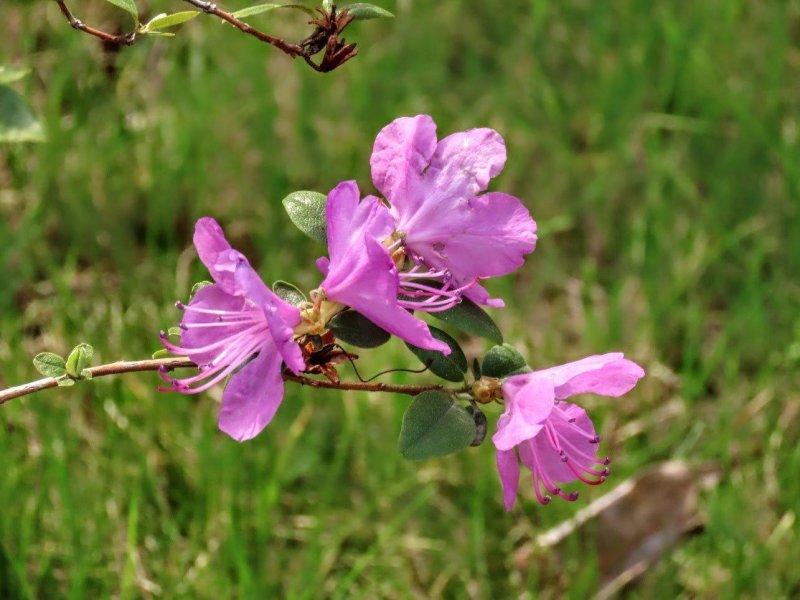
point(124, 39)
point(210, 8)
point(326, 35)
point(118, 368)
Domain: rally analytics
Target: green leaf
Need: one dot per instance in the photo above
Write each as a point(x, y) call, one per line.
point(50, 364)
point(262, 8)
point(79, 359)
point(307, 212)
point(174, 332)
point(470, 318)
point(434, 425)
point(86, 374)
point(129, 6)
point(65, 381)
point(357, 330)
point(9, 75)
point(163, 353)
point(17, 123)
point(364, 11)
point(452, 367)
point(288, 292)
point(163, 21)
point(502, 361)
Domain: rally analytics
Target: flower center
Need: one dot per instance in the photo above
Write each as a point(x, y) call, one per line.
point(223, 340)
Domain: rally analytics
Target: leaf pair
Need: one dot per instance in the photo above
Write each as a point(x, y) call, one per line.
point(76, 366)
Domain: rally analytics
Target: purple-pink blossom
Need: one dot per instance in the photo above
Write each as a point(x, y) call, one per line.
point(360, 272)
point(554, 439)
point(224, 326)
point(443, 220)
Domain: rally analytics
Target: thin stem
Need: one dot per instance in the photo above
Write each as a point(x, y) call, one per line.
point(126, 39)
point(324, 37)
point(210, 8)
point(121, 367)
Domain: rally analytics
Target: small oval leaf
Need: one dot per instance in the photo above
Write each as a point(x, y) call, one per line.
point(502, 361)
point(165, 21)
point(364, 11)
point(452, 367)
point(434, 425)
point(470, 318)
point(307, 212)
point(50, 364)
point(127, 5)
point(262, 8)
point(288, 292)
point(357, 330)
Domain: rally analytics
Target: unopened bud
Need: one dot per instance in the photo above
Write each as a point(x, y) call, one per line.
point(486, 389)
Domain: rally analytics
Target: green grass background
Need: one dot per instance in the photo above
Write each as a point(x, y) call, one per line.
point(655, 142)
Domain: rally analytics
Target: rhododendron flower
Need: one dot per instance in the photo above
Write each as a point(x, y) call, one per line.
point(360, 272)
point(441, 217)
point(556, 440)
point(224, 325)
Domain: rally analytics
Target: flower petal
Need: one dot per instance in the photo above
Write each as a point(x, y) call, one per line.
point(486, 236)
point(571, 436)
point(529, 402)
point(401, 153)
point(371, 289)
point(361, 273)
point(349, 220)
point(605, 374)
point(217, 255)
point(210, 297)
point(252, 396)
point(508, 468)
point(465, 162)
point(281, 316)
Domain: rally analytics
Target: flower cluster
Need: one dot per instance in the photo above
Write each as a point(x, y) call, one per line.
point(422, 247)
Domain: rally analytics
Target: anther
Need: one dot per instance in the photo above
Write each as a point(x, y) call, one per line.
point(180, 305)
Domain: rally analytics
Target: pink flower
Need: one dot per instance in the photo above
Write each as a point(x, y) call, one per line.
point(442, 218)
point(556, 440)
point(224, 326)
point(360, 272)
